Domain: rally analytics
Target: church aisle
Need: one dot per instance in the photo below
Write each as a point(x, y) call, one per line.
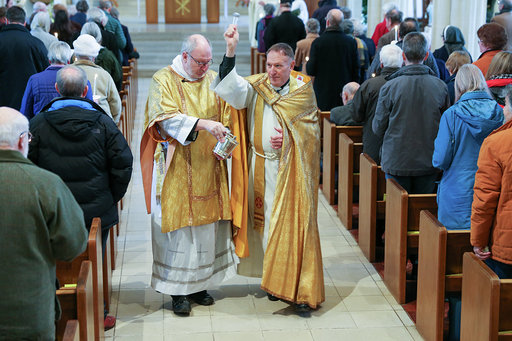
point(358, 306)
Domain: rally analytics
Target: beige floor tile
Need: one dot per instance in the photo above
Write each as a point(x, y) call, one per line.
point(233, 306)
point(139, 326)
point(414, 333)
point(189, 337)
point(135, 282)
point(331, 320)
point(145, 256)
point(406, 320)
point(287, 320)
point(190, 324)
point(197, 310)
point(137, 269)
point(235, 323)
point(390, 334)
point(281, 335)
point(140, 338)
point(238, 336)
point(357, 289)
point(372, 319)
point(137, 310)
point(264, 306)
point(366, 303)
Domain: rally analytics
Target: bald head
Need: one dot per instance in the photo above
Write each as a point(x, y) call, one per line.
point(71, 81)
point(348, 92)
point(195, 41)
point(334, 18)
point(196, 54)
point(13, 130)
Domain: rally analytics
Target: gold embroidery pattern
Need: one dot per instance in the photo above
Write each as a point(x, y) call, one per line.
point(182, 6)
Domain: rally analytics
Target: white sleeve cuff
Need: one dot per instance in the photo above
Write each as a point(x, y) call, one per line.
point(179, 127)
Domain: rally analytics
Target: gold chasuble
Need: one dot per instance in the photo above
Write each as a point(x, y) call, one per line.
point(194, 189)
point(292, 268)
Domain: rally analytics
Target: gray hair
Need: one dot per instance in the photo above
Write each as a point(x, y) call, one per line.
point(40, 7)
point(114, 12)
point(389, 7)
point(190, 43)
point(508, 93)
point(391, 56)
point(359, 28)
point(469, 78)
point(105, 4)
point(98, 16)
point(351, 88)
point(59, 52)
point(71, 81)
point(347, 27)
point(313, 25)
point(335, 20)
point(415, 47)
point(12, 125)
point(269, 9)
point(42, 20)
point(92, 29)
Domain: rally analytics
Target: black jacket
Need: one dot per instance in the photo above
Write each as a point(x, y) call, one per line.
point(334, 62)
point(75, 139)
point(364, 103)
point(21, 56)
point(285, 28)
point(407, 117)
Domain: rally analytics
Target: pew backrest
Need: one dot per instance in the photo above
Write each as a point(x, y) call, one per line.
point(348, 177)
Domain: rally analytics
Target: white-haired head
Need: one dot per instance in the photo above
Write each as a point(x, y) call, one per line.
point(391, 56)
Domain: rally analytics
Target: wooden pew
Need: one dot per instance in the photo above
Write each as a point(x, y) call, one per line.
point(439, 272)
point(402, 224)
point(372, 207)
point(348, 177)
point(254, 50)
point(107, 271)
point(486, 302)
point(67, 273)
point(261, 62)
point(72, 331)
point(322, 116)
point(330, 153)
point(77, 303)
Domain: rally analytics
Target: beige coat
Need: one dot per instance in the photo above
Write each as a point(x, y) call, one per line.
point(505, 20)
point(109, 99)
point(302, 51)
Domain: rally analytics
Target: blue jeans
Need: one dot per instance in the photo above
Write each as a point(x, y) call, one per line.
point(502, 270)
point(416, 184)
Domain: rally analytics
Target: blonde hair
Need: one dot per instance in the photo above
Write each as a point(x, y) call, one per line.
point(501, 64)
point(456, 60)
point(468, 79)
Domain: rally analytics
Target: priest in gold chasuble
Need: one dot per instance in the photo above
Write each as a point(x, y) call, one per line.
point(185, 184)
point(284, 157)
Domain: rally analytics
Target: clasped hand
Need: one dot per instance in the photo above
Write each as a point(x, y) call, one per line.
point(276, 141)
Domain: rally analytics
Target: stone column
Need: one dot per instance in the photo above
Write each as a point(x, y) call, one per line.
point(467, 15)
point(357, 8)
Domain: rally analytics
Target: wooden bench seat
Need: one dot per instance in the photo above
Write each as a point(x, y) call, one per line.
point(486, 302)
point(72, 331)
point(330, 153)
point(77, 303)
point(402, 235)
point(372, 207)
point(439, 272)
point(348, 177)
point(67, 273)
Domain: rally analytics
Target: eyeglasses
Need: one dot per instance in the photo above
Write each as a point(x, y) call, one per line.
point(210, 62)
point(29, 135)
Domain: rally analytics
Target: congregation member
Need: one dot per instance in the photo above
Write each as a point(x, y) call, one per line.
point(366, 98)
point(285, 28)
point(320, 14)
point(409, 124)
point(128, 51)
point(393, 19)
point(499, 76)
point(360, 32)
point(114, 26)
point(490, 214)
point(462, 129)
point(492, 38)
point(104, 90)
point(80, 17)
point(62, 29)
point(40, 88)
point(105, 58)
point(282, 242)
point(40, 27)
point(382, 27)
point(504, 18)
point(333, 61)
point(3, 18)
point(347, 27)
point(108, 39)
point(453, 64)
point(39, 6)
point(300, 9)
point(22, 56)
point(407, 26)
point(185, 184)
point(304, 45)
point(41, 224)
point(75, 139)
point(262, 25)
point(453, 40)
point(342, 115)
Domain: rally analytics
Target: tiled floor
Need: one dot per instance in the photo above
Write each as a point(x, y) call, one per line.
point(358, 306)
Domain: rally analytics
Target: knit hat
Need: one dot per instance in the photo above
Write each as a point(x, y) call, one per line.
point(86, 45)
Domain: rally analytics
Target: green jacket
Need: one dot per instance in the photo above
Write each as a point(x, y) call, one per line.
point(40, 222)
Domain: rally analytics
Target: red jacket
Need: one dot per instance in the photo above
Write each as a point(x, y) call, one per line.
point(380, 30)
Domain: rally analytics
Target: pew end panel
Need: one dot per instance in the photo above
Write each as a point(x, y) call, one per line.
point(72, 331)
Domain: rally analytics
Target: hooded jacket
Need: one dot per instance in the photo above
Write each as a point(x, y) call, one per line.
point(75, 139)
point(453, 41)
point(407, 116)
point(462, 130)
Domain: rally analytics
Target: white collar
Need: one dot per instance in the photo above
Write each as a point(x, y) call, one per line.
point(177, 65)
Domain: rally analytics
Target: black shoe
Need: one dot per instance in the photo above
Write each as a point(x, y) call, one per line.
point(302, 308)
point(180, 305)
point(272, 297)
point(202, 298)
